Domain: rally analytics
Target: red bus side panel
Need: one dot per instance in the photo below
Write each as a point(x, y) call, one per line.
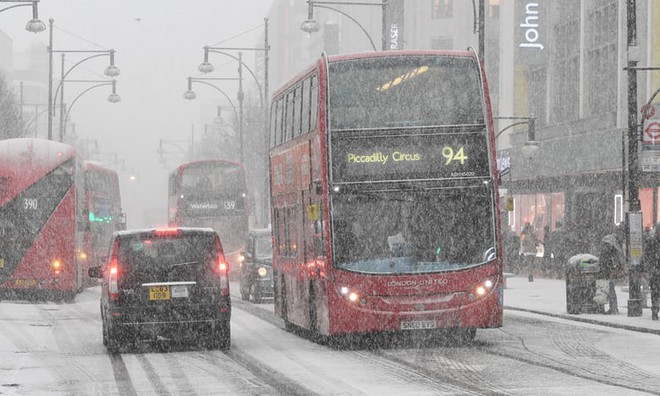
point(55, 241)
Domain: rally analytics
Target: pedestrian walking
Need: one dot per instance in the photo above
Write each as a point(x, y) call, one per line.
point(610, 268)
point(548, 249)
point(528, 243)
point(651, 261)
point(511, 247)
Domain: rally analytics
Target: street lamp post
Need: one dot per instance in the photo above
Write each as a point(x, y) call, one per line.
point(190, 95)
point(34, 25)
point(310, 25)
point(207, 67)
point(111, 71)
point(112, 98)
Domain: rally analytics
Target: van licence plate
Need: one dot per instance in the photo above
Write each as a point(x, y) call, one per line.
point(159, 292)
point(418, 325)
point(180, 291)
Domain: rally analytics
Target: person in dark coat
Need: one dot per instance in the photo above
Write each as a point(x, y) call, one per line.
point(528, 243)
point(610, 268)
point(651, 262)
point(511, 247)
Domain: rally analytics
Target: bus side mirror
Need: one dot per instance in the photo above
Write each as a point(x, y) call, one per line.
point(95, 272)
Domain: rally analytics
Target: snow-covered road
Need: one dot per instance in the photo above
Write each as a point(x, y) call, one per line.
point(49, 348)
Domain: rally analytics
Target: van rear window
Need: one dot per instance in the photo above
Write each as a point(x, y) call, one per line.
point(160, 259)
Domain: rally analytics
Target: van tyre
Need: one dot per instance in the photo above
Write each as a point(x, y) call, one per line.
point(221, 335)
point(255, 293)
point(112, 340)
point(245, 295)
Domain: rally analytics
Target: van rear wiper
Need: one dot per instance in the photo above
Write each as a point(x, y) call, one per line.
point(186, 263)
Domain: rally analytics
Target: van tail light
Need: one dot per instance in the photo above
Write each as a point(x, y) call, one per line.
point(222, 268)
point(113, 274)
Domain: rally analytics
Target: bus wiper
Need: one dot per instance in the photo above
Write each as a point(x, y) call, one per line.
point(414, 186)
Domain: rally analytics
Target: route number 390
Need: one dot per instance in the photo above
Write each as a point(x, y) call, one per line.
point(450, 155)
point(30, 204)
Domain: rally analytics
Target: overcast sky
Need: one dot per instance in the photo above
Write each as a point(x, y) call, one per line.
point(158, 44)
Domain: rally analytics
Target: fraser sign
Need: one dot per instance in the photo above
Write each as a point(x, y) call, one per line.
point(531, 26)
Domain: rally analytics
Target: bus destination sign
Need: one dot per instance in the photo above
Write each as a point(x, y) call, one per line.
point(409, 157)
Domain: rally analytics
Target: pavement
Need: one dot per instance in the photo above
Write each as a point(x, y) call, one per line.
point(548, 297)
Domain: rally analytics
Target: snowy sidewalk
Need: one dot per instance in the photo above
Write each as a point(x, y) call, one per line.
point(548, 297)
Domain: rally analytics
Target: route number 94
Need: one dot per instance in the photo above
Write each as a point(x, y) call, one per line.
point(30, 204)
point(452, 155)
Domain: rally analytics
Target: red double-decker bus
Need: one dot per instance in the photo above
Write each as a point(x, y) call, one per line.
point(212, 193)
point(41, 219)
point(102, 207)
point(384, 196)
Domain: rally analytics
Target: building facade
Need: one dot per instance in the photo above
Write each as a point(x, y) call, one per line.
point(559, 61)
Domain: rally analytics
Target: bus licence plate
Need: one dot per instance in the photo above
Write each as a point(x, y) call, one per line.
point(159, 292)
point(418, 325)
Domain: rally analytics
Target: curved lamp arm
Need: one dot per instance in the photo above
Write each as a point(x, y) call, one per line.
point(35, 118)
point(256, 80)
point(16, 6)
point(352, 19)
point(510, 126)
point(191, 80)
point(66, 116)
point(69, 71)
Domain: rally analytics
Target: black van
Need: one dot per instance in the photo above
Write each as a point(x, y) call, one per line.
point(162, 284)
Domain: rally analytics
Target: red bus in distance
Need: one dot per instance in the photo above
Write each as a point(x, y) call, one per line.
point(102, 207)
point(41, 219)
point(384, 196)
point(212, 193)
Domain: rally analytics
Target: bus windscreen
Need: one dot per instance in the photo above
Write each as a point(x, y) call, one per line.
point(210, 189)
point(403, 91)
point(413, 231)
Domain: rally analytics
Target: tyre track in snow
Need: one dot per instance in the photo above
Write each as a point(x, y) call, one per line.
point(578, 358)
point(152, 376)
point(465, 380)
point(264, 380)
point(181, 381)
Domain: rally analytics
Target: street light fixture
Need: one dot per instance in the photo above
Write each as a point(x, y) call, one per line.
point(207, 67)
point(114, 97)
point(311, 26)
point(35, 25)
point(111, 71)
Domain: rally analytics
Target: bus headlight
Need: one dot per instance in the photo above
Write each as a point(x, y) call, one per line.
point(482, 289)
point(352, 296)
